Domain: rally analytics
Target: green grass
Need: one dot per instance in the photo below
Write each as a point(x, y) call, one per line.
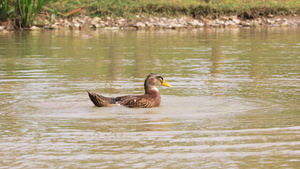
point(5, 10)
point(26, 9)
point(195, 8)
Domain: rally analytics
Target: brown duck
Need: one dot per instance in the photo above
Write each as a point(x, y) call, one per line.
point(151, 98)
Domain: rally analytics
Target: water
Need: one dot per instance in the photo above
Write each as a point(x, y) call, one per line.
point(234, 101)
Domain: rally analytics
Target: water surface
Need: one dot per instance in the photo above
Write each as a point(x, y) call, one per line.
point(234, 101)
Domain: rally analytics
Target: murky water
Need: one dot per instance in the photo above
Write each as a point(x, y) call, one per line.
point(234, 101)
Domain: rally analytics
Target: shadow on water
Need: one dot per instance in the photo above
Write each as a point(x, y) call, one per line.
point(234, 101)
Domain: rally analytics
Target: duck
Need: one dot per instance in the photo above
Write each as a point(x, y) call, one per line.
point(151, 98)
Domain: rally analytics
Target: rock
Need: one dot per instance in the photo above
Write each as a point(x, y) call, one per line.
point(178, 26)
point(54, 26)
point(217, 21)
point(149, 24)
point(209, 23)
point(96, 20)
point(269, 21)
point(106, 23)
point(87, 19)
point(172, 23)
point(60, 20)
point(76, 25)
point(227, 23)
point(164, 19)
point(33, 28)
point(102, 25)
point(201, 24)
point(111, 28)
point(258, 21)
point(156, 18)
point(232, 23)
point(173, 20)
point(277, 20)
point(182, 21)
point(161, 23)
point(151, 20)
point(78, 20)
point(121, 20)
point(140, 25)
point(66, 21)
point(233, 17)
point(46, 22)
point(225, 18)
point(246, 24)
point(255, 23)
point(284, 24)
point(236, 21)
point(194, 22)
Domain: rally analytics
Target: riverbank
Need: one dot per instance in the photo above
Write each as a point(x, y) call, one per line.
point(161, 14)
point(140, 22)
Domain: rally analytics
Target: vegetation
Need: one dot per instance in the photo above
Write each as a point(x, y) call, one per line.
point(26, 10)
point(4, 9)
point(195, 8)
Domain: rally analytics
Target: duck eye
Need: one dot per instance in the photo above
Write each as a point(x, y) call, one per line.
point(160, 78)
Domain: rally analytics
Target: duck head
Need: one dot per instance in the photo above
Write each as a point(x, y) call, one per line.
point(153, 80)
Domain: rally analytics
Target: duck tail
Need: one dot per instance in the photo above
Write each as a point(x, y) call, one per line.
point(101, 101)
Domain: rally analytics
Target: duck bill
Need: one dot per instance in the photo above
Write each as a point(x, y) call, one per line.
point(164, 83)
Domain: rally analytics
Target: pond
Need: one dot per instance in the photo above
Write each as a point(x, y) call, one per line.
point(234, 101)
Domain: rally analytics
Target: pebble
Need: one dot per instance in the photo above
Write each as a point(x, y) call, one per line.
point(96, 20)
point(284, 24)
point(236, 21)
point(151, 23)
point(54, 26)
point(194, 22)
point(246, 24)
point(112, 28)
point(77, 25)
point(34, 28)
point(140, 25)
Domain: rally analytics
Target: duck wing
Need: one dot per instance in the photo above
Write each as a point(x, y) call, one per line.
point(136, 101)
point(101, 101)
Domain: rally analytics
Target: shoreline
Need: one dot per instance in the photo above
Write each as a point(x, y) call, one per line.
point(141, 22)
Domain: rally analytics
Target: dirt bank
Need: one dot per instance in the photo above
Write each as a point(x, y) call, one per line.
point(140, 22)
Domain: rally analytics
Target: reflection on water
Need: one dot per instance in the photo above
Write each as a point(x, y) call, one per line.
point(234, 101)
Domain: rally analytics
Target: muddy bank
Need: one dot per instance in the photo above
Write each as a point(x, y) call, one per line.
point(142, 22)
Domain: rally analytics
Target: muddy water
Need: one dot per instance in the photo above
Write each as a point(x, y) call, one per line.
point(234, 101)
